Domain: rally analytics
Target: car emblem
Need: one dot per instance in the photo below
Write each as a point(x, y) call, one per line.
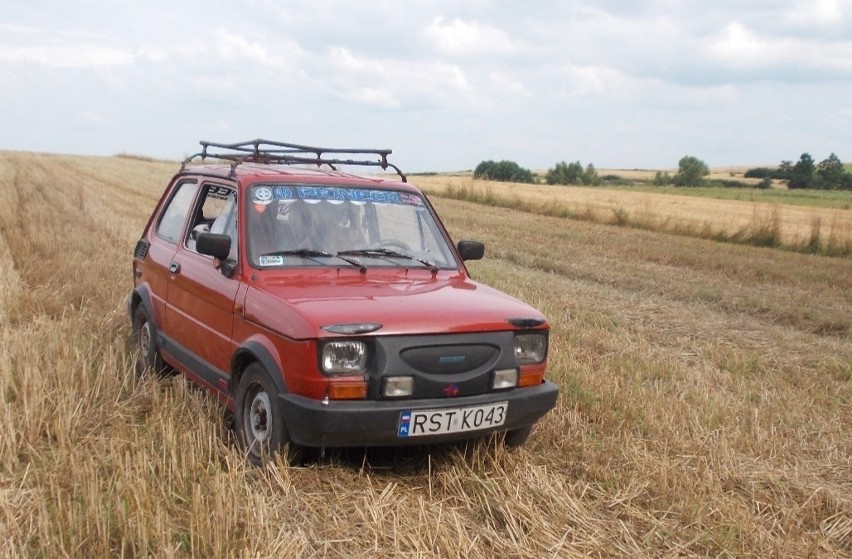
point(451, 390)
point(451, 359)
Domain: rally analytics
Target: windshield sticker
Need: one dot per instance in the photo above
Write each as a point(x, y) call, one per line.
point(262, 198)
point(271, 260)
point(219, 192)
point(334, 194)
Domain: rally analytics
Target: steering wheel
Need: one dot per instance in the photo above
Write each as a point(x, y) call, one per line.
point(389, 243)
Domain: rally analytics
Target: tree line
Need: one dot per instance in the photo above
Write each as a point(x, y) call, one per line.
point(828, 174)
point(805, 173)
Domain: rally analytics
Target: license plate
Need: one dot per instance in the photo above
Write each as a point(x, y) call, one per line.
point(419, 423)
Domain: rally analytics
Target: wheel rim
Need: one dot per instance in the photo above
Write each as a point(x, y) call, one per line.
point(145, 340)
point(259, 421)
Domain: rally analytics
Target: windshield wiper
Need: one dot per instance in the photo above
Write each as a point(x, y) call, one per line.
point(390, 253)
point(314, 253)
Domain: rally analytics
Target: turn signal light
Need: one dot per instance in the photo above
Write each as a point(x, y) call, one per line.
point(347, 389)
point(531, 375)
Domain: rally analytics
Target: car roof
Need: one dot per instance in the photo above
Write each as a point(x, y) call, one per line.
point(248, 174)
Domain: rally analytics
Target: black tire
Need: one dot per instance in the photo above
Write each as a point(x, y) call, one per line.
point(260, 421)
point(148, 358)
point(517, 437)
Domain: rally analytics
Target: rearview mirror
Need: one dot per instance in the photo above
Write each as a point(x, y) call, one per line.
point(213, 244)
point(471, 250)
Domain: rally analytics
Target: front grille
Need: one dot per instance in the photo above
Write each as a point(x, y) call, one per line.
point(449, 359)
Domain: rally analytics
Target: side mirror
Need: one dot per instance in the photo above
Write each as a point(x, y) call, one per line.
point(471, 250)
point(213, 244)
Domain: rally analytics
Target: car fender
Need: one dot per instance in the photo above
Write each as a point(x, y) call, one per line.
point(257, 348)
point(141, 296)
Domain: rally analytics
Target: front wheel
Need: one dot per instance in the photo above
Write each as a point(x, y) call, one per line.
point(259, 419)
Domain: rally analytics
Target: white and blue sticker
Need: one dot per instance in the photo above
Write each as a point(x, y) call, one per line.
point(271, 260)
point(262, 195)
point(265, 194)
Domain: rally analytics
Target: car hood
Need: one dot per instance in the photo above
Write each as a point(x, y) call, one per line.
point(403, 304)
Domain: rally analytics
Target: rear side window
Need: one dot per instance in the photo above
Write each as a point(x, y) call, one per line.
point(174, 216)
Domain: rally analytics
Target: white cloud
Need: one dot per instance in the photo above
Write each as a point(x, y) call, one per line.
point(596, 80)
point(390, 82)
point(67, 56)
point(461, 38)
point(786, 58)
point(738, 45)
point(230, 47)
point(90, 118)
point(635, 80)
point(373, 96)
point(818, 12)
point(505, 82)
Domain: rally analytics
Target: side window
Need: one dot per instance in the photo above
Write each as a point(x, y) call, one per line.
point(174, 216)
point(215, 213)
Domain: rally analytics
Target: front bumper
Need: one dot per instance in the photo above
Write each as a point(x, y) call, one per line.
point(376, 422)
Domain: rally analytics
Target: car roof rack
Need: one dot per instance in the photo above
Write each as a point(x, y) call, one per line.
point(269, 152)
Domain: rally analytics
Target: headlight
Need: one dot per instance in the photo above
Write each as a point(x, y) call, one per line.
point(344, 357)
point(530, 348)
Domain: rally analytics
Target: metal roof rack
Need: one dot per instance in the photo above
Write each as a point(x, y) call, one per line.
point(269, 152)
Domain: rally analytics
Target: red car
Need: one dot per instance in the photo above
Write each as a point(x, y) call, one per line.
point(326, 309)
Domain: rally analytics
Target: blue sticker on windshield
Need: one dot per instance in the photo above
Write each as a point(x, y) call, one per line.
point(335, 194)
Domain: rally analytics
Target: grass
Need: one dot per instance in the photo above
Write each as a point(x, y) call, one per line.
point(839, 199)
point(704, 409)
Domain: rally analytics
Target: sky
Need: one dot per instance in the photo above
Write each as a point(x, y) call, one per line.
point(444, 84)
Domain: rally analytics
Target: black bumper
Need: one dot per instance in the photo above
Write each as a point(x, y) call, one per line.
point(377, 422)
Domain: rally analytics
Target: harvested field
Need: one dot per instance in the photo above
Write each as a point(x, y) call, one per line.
point(704, 411)
point(738, 220)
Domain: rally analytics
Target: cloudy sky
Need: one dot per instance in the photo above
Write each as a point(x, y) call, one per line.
point(445, 84)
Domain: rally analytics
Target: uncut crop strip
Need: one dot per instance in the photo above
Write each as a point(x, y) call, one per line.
point(807, 229)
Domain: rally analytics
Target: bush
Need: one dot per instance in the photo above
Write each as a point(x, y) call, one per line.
point(662, 178)
point(503, 171)
point(572, 173)
point(760, 173)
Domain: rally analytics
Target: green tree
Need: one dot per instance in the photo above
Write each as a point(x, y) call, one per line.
point(691, 171)
point(802, 173)
point(831, 172)
point(504, 171)
point(590, 175)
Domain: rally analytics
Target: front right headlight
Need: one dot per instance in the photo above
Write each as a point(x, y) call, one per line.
point(530, 348)
point(344, 357)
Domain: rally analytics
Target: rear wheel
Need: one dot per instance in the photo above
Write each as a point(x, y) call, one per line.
point(148, 358)
point(260, 421)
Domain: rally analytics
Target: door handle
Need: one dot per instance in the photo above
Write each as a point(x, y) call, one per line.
point(174, 268)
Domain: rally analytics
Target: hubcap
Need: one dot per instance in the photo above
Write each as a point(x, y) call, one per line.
point(145, 339)
point(259, 417)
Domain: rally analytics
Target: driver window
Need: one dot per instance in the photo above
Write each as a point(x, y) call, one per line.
point(215, 213)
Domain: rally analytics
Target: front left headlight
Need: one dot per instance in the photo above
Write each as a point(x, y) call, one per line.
point(344, 357)
point(530, 348)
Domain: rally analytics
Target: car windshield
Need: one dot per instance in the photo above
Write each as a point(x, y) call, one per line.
point(292, 225)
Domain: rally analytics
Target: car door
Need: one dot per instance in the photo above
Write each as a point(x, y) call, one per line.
point(200, 307)
point(163, 242)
